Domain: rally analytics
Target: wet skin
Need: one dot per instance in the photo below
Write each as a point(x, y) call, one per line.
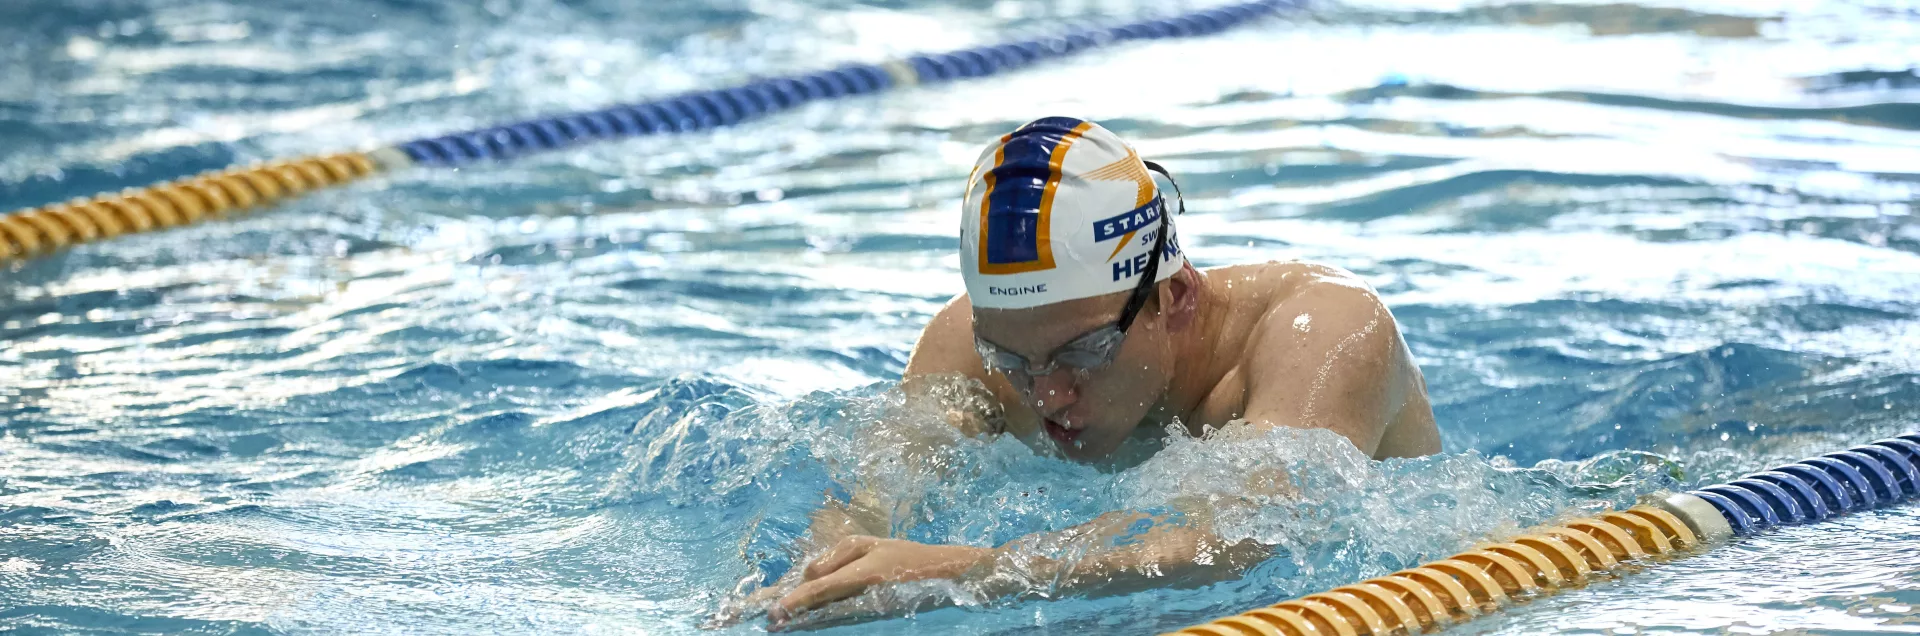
point(1273, 344)
point(1287, 344)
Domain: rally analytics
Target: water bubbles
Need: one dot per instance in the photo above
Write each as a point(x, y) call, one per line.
point(1300, 491)
point(1627, 472)
point(1546, 317)
point(83, 48)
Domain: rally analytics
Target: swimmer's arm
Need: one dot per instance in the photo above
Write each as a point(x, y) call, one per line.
point(943, 357)
point(1124, 552)
point(1330, 357)
point(1117, 553)
point(944, 351)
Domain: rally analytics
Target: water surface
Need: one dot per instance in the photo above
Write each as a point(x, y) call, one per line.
point(1633, 246)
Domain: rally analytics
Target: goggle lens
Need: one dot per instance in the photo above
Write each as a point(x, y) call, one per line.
point(1085, 353)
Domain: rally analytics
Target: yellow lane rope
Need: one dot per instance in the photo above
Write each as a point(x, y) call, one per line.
point(211, 195)
point(1540, 561)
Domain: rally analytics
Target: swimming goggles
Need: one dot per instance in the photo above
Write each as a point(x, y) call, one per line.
point(1094, 349)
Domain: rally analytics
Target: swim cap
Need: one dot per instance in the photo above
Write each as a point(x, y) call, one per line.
point(1057, 210)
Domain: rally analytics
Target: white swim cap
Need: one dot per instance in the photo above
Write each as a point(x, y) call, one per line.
point(1057, 210)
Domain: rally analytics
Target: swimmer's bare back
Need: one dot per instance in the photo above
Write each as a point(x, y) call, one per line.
point(1274, 344)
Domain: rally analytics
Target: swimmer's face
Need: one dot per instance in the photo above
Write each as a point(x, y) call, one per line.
point(1086, 413)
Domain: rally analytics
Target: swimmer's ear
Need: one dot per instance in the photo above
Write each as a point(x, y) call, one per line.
point(1180, 298)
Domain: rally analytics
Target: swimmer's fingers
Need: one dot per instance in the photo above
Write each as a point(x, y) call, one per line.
point(728, 615)
point(764, 597)
point(875, 603)
point(841, 584)
point(742, 606)
point(848, 550)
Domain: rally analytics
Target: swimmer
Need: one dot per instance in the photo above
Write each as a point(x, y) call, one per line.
point(1087, 326)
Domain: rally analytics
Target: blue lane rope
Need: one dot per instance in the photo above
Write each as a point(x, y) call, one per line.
point(1864, 477)
point(36, 232)
point(707, 109)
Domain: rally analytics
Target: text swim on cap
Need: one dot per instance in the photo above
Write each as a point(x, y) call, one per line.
point(1057, 210)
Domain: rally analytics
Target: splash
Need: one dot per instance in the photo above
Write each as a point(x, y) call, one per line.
point(1325, 513)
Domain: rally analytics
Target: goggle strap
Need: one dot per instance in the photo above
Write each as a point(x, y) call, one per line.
point(1177, 195)
point(1152, 272)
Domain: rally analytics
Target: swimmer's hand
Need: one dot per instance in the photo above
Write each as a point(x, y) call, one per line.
point(859, 562)
point(1115, 553)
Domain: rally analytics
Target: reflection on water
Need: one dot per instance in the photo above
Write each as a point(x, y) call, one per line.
point(1632, 247)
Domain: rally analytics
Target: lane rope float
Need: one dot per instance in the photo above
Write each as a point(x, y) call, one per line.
point(211, 195)
point(1548, 559)
point(39, 231)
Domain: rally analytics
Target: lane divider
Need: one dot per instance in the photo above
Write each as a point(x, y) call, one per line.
point(35, 232)
point(1548, 559)
point(703, 110)
point(211, 195)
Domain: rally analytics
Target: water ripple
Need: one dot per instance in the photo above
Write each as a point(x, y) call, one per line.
point(1631, 246)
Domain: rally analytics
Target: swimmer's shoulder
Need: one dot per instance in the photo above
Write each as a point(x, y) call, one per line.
point(1272, 283)
point(1284, 306)
point(945, 356)
point(1298, 306)
point(946, 347)
point(946, 344)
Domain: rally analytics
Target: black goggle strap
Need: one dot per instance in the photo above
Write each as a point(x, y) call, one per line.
point(1176, 185)
point(1152, 271)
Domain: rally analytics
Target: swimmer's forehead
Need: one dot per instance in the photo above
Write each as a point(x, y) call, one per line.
point(1039, 330)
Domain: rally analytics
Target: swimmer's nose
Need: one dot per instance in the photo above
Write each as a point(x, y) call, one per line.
point(1054, 392)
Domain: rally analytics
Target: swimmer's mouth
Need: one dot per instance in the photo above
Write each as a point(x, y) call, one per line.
point(1060, 433)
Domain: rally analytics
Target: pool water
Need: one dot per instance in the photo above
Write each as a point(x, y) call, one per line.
point(1633, 246)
